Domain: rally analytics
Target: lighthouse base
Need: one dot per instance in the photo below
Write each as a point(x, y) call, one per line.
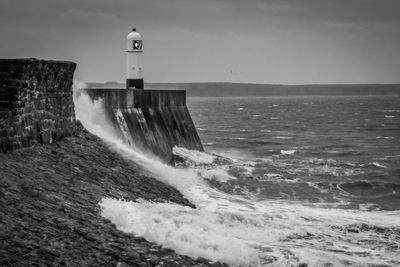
point(134, 84)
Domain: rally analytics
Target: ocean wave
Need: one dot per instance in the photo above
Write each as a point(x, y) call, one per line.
point(274, 177)
point(241, 231)
point(216, 174)
point(288, 152)
point(390, 157)
point(239, 138)
point(283, 137)
point(312, 167)
point(212, 166)
point(193, 155)
point(384, 137)
point(391, 110)
point(378, 165)
point(333, 171)
point(362, 186)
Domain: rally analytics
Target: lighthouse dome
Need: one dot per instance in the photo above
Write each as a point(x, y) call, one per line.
point(134, 41)
point(134, 35)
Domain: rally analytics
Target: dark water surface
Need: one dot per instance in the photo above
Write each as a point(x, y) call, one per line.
point(342, 151)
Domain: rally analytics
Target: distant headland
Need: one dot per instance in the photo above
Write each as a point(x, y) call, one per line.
point(225, 89)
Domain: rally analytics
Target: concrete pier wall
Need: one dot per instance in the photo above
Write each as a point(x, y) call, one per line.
point(150, 120)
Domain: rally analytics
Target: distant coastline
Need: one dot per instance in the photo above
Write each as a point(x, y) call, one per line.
point(249, 89)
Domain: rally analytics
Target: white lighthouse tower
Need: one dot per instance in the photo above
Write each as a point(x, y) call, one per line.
point(134, 51)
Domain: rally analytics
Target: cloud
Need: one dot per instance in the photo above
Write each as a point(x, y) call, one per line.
point(83, 18)
point(275, 33)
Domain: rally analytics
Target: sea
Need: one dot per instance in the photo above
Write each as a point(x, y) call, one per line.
point(283, 181)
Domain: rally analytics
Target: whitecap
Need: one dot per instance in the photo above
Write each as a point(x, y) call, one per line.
point(282, 137)
point(384, 137)
point(216, 174)
point(193, 155)
point(288, 152)
point(377, 164)
point(239, 138)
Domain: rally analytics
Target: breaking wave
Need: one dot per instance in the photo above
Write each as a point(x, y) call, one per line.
point(240, 230)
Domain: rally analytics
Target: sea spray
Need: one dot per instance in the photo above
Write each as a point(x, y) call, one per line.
point(240, 231)
point(192, 232)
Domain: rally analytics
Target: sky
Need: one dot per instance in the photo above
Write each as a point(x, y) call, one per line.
point(250, 41)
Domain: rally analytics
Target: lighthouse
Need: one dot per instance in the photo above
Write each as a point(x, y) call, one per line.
point(134, 51)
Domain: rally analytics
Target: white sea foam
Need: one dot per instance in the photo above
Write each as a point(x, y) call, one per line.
point(282, 137)
point(216, 174)
point(276, 178)
point(241, 231)
point(384, 137)
point(193, 155)
point(377, 164)
point(391, 110)
point(239, 138)
point(288, 152)
point(205, 164)
point(192, 232)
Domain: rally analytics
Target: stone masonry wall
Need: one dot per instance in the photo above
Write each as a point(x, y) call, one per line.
point(36, 104)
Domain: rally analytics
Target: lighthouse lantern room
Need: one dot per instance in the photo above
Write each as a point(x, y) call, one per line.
point(134, 51)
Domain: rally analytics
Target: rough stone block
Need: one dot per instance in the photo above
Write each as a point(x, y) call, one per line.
point(36, 96)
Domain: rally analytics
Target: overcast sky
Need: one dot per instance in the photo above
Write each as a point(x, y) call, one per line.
point(258, 41)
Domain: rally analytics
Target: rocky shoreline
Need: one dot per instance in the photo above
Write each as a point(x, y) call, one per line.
point(49, 212)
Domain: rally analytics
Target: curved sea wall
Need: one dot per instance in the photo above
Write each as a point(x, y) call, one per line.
point(36, 104)
point(150, 120)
